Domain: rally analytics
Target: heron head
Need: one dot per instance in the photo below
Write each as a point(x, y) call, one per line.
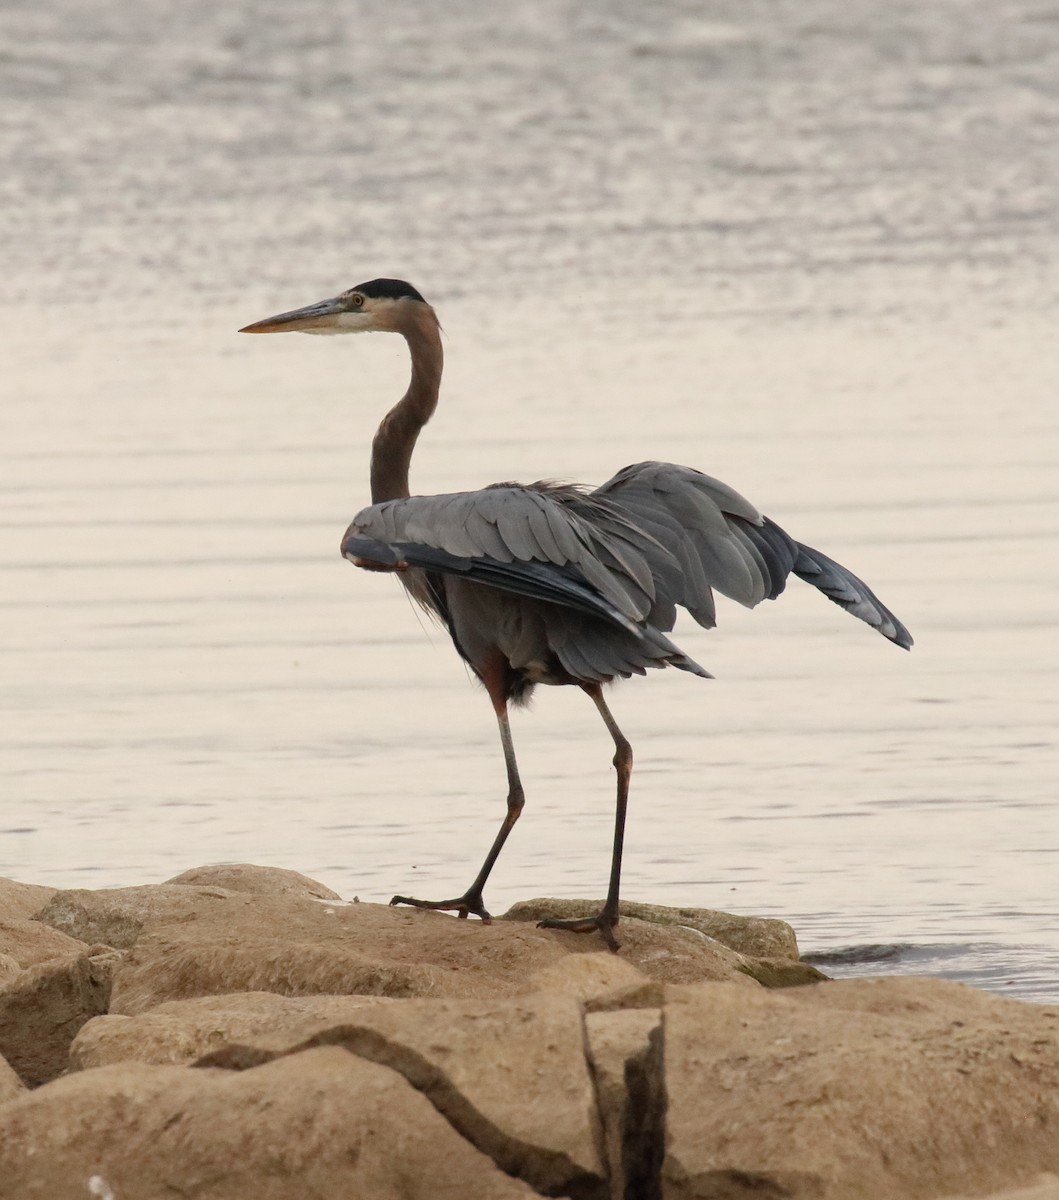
point(379, 305)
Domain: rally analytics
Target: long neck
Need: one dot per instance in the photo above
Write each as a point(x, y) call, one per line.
point(391, 451)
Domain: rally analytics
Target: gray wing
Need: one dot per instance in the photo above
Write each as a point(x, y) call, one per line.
point(577, 561)
point(718, 540)
point(535, 541)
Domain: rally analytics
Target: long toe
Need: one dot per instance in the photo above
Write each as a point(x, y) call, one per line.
point(463, 906)
point(602, 923)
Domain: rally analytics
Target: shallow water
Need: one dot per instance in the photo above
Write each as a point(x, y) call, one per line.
point(810, 252)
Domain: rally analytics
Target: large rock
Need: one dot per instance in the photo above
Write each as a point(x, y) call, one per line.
point(763, 948)
point(759, 937)
point(27, 942)
point(22, 899)
point(118, 916)
point(509, 1075)
point(321, 1123)
point(42, 1009)
point(869, 1087)
point(181, 1031)
point(294, 946)
point(261, 881)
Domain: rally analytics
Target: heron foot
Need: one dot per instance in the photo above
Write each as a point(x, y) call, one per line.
point(469, 902)
point(603, 923)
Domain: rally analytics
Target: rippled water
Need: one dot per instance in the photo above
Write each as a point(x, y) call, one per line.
point(810, 249)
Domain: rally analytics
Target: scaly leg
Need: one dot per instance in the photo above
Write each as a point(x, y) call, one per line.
point(608, 915)
point(471, 900)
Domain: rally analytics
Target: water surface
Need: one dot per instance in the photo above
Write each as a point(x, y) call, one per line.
point(811, 252)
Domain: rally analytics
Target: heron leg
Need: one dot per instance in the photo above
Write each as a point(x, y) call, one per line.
point(471, 900)
point(605, 920)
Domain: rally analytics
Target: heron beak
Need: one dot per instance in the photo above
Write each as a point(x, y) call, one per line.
point(321, 317)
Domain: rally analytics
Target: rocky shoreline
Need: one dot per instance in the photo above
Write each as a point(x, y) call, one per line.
point(242, 1031)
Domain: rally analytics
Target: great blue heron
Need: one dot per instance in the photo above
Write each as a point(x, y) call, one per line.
point(552, 583)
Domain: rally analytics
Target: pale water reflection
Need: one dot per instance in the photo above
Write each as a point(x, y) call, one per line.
point(191, 674)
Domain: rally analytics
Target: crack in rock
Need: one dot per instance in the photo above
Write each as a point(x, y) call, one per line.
point(625, 1055)
point(510, 1077)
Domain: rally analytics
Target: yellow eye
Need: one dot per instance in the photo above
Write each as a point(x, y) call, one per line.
point(356, 300)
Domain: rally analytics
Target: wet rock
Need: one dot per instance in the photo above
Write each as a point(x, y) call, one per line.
point(759, 937)
point(509, 1075)
point(882, 1087)
point(320, 1123)
point(261, 881)
point(42, 1009)
point(626, 1059)
point(781, 972)
point(183, 1030)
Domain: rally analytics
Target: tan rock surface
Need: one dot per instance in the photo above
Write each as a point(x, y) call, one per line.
point(10, 1084)
point(586, 976)
point(860, 1088)
point(296, 946)
point(762, 948)
point(181, 1031)
point(23, 900)
point(262, 881)
point(321, 1123)
point(42, 1009)
point(509, 1075)
point(759, 937)
point(117, 916)
point(28, 942)
point(1046, 1187)
point(9, 968)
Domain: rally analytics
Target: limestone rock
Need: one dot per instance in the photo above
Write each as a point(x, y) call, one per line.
point(181, 1031)
point(586, 976)
point(29, 942)
point(23, 900)
point(1046, 1187)
point(294, 946)
point(43, 1008)
point(866, 1087)
point(509, 1075)
point(670, 953)
point(262, 881)
point(117, 916)
point(10, 1084)
point(759, 937)
point(321, 1123)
